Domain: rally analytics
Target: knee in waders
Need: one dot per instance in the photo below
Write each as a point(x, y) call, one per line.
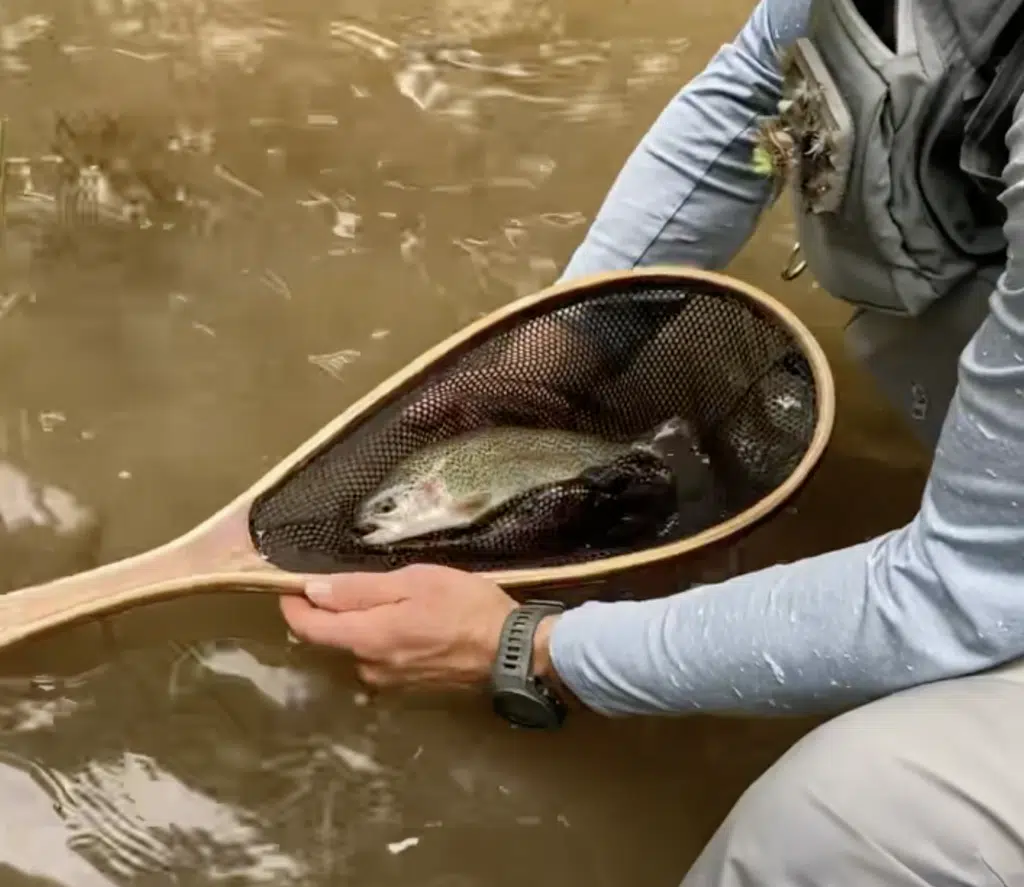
point(910, 790)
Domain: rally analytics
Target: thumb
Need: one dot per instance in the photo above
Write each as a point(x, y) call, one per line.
point(354, 591)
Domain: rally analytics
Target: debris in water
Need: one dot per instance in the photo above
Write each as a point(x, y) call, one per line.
point(410, 246)
point(401, 846)
point(346, 224)
point(317, 199)
point(334, 363)
point(276, 283)
point(9, 300)
point(231, 179)
point(140, 56)
point(355, 760)
point(50, 420)
point(364, 39)
point(563, 220)
point(3, 177)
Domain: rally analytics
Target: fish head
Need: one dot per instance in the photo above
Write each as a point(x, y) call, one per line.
point(410, 509)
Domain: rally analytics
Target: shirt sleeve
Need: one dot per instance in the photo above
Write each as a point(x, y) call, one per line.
point(939, 598)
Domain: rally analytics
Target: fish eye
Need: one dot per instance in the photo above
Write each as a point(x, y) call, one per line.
point(386, 506)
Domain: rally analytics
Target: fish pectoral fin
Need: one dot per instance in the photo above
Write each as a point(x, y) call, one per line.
point(470, 506)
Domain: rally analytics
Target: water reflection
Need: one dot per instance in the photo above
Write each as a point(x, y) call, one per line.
point(125, 803)
point(231, 762)
point(39, 520)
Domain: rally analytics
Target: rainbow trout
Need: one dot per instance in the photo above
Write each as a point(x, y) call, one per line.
point(459, 482)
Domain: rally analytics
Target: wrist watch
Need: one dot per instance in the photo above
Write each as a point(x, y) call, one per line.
point(520, 697)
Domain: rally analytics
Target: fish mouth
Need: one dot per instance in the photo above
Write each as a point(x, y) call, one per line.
point(374, 531)
point(376, 535)
point(364, 524)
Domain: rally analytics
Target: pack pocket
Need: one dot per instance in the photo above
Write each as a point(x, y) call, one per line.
point(872, 242)
point(844, 195)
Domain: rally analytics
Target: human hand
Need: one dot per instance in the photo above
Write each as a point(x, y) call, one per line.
point(421, 626)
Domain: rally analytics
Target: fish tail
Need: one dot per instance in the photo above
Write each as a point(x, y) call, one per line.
point(668, 438)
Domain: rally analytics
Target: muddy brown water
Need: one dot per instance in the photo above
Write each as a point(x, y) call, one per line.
point(372, 200)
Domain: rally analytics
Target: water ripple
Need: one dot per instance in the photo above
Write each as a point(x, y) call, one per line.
point(115, 800)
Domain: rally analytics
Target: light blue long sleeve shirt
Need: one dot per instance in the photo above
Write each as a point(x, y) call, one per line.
point(940, 597)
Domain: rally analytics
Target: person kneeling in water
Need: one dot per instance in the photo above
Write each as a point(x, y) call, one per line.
point(910, 205)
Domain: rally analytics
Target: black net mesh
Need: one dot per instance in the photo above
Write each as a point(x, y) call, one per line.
point(616, 361)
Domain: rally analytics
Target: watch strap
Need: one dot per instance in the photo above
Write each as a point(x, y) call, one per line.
point(513, 666)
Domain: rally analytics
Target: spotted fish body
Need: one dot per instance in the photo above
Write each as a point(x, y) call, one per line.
point(458, 482)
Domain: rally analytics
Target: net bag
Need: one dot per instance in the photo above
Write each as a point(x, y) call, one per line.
point(616, 356)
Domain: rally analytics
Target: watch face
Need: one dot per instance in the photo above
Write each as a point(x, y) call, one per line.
point(525, 710)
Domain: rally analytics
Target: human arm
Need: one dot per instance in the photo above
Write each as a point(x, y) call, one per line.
point(938, 598)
